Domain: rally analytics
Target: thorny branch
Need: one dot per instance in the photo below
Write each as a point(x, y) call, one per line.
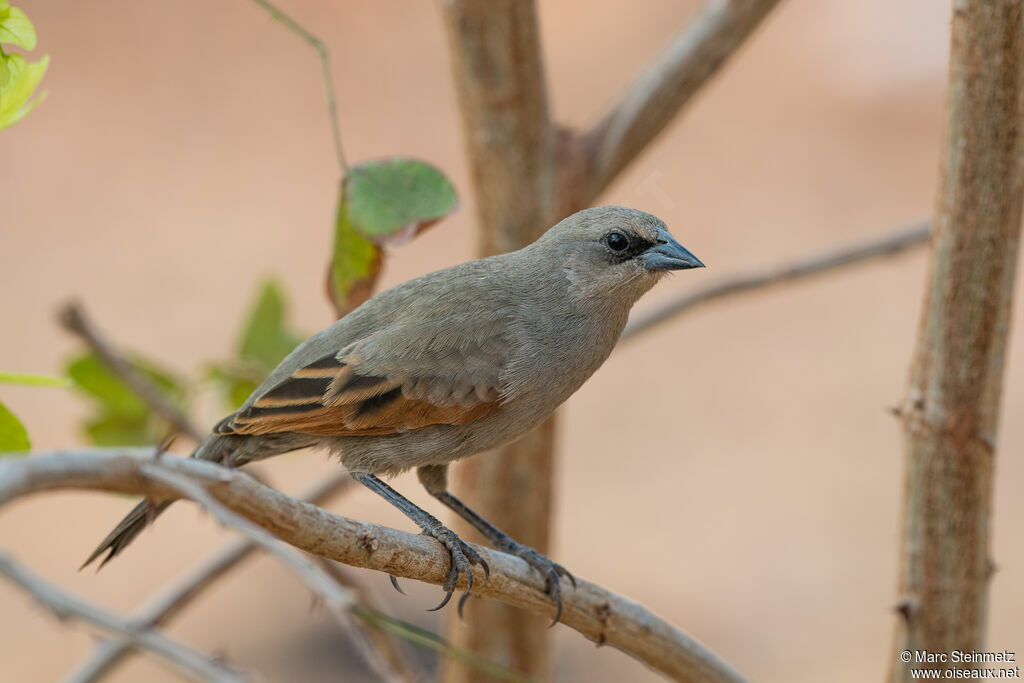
point(595, 612)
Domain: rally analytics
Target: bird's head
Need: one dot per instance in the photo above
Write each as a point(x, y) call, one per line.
point(615, 251)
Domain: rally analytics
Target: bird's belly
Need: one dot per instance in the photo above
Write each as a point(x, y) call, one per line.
point(394, 453)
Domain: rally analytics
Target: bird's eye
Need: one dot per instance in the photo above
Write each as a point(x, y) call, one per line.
point(617, 241)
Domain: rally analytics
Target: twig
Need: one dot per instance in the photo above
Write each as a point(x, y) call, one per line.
point(74, 320)
point(325, 67)
point(168, 603)
point(65, 606)
point(887, 245)
point(335, 598)
point(658, 93)
point(595, 612)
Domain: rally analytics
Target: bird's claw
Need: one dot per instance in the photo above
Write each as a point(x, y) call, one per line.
point(551, 571)
point(462, 558)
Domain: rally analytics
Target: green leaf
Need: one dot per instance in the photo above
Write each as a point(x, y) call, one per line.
point(92, 376)
point(392, 200)
point(355, 263)
point(33, 380)
point(11, 68)
point(116, 397)
point(112, 430)
point(18, 87)
point(13, 436)
point(122, 418)
point(16, 28)
point(265, 339)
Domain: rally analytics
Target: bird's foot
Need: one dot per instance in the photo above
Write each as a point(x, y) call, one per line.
point(551, 571)
point(463, 557)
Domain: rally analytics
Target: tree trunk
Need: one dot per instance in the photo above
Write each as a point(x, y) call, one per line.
point(526, 176)
point(495, 48)
point(950, 414)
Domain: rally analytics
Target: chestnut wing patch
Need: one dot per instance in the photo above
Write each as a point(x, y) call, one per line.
point(329, 397)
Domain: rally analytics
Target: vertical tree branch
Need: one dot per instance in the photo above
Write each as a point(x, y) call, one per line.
point(499, 76)
point(952, 405)
point(526, 177)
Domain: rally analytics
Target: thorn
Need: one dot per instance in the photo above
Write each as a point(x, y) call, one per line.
point(164, 445)
point(908, 609)
point(990, 568)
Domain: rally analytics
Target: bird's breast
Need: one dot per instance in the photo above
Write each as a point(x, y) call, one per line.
point(553, 355)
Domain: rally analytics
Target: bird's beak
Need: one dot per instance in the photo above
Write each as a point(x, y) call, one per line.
point(668, 254)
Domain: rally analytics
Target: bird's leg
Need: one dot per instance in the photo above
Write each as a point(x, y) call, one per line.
point(434, 479)
point(462, 554)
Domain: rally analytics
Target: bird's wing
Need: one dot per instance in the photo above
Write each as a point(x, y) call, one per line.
point(393, 381)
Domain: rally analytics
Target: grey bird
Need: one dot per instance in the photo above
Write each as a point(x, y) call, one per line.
point(447, 365)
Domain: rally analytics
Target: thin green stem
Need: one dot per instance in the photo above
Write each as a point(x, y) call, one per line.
point(34, 380)
point(423, 638)
point(325, 66)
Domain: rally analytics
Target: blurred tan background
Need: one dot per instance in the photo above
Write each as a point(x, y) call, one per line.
point(736, 470)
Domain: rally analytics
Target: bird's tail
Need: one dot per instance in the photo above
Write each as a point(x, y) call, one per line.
point(231, 450)
point(143, 514)
point(124, 533)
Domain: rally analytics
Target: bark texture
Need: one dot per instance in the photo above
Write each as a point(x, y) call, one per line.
point(950, 415)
